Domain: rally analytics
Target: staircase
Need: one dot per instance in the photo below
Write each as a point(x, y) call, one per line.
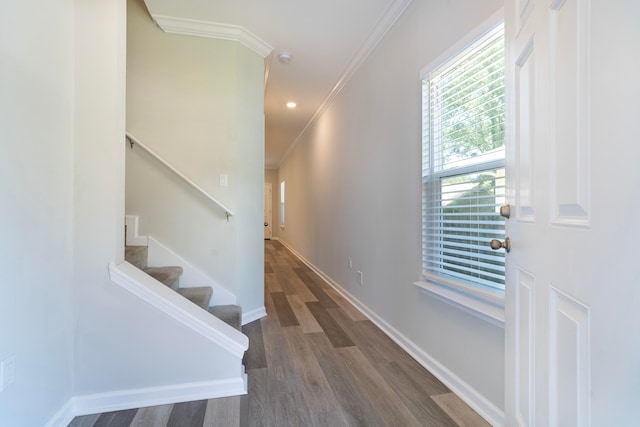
point(170, 277)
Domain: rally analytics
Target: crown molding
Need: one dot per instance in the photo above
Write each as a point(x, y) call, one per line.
point(192, 27)
point(267, 69)
point(384, 25)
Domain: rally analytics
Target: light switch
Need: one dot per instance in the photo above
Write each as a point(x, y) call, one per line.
point(224, 180)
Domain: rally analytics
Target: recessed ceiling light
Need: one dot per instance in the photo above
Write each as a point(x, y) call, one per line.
point(291, 104)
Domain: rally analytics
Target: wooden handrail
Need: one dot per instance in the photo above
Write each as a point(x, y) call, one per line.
point(134, 141)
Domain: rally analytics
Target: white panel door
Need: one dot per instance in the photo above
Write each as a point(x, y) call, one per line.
point(573, 272)
point(268, 214)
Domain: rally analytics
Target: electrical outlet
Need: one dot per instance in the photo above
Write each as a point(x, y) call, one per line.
point(360, 277)
point(350, 262)
point(7, 371)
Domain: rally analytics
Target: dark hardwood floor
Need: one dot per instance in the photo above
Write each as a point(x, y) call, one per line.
point(315, 360)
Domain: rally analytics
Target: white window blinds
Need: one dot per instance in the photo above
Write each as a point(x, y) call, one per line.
point(463, 164)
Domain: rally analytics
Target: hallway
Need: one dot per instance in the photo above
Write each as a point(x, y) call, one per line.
point(313, 361)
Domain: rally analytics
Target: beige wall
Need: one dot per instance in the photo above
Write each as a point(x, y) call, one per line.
point(353, 190)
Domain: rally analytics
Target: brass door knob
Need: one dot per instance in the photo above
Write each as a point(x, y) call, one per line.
point(497, 244)
point(505, 211)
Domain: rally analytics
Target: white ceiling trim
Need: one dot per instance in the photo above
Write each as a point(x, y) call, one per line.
point(192, 27)
point(391, 15)
point(267, 70)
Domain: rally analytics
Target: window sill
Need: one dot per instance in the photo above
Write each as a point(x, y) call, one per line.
point(484, 304)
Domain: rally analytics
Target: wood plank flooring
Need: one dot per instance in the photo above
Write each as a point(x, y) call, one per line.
point(315, 360)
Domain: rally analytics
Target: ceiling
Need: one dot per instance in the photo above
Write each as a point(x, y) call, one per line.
point(327, 40)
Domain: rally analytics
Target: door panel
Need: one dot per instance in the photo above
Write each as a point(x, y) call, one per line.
point(572, 290)
point(523, 9)
point(268, 211)
point(525, 98)
point(569, 368)
point(525, 350)
point(569, 83)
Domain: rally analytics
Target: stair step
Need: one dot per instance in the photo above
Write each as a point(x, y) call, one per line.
point(136, 255)
point(230, 314)
point(199, 295)
point(170, 276)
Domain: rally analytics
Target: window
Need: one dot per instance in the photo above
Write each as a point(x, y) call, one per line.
point(463, 175)
point(282, 204)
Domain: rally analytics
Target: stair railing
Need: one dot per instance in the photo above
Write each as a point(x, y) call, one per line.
point(134, 141)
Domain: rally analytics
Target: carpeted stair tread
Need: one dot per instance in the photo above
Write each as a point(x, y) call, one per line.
point(230, 314)
point(170, 276)
point(136, 255)
point(199, 295)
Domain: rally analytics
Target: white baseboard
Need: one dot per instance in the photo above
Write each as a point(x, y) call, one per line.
point(489, 411)
point(63, 417)
point(153, 396)
point(256, 314)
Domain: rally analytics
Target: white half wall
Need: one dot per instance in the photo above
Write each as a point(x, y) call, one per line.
point(198, 103)
point(36, 189)
point(353, 190)
point(123, 343)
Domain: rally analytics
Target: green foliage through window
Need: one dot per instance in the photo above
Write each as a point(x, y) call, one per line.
point(463, 164)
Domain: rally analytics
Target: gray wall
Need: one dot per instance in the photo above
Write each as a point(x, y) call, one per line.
point(36, 189)
point(353, 189)
point(198, 103)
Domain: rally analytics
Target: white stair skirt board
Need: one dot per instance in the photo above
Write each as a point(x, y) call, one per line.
point(174, 305)
point(253, 315)
point(160, 255)
point(131, 237)
point(490, 412)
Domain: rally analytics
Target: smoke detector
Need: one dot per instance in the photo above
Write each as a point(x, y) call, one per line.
point(285, 57)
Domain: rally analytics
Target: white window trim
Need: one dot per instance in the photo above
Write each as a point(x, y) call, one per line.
point(463, 43)
point(479, 302)
point(482, 303)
